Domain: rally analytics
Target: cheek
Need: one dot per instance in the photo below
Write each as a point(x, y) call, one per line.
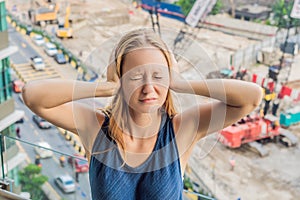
point(163, 86)
point(130, 90)
point(164, 93)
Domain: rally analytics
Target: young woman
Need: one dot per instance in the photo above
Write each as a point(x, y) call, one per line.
point(139, 146)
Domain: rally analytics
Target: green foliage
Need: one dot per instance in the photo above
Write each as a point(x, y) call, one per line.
point(268, 22)
point(217, 8)
point(257, 21)
point(186, 5)
point(187, 183)
point(282, 10)
point(31, 181)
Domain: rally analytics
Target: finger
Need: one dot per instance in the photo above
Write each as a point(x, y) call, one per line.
point(174, 63)
point(112, 73)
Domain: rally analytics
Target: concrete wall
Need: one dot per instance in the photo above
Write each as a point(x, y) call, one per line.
point(7, 108)
point(3, 39)
point(268, 3)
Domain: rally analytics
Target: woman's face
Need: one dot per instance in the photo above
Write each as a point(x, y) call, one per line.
point(145, 79)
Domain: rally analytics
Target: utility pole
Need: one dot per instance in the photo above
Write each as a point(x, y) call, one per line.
point(155, 19)
point(232, 3)
point(2, 152)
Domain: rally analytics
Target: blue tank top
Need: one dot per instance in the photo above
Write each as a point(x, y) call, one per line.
point(158, 178)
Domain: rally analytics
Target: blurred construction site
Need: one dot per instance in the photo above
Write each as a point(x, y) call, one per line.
point(90, 28)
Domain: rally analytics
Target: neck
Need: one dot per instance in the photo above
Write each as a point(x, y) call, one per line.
point(143, 125)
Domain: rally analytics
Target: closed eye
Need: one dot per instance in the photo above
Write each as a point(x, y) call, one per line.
point(137, 77)
point(158, 76)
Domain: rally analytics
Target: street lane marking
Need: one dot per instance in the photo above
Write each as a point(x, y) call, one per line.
point(35, 132)
point(21, 64)
point(23, 150)
point(40, 78)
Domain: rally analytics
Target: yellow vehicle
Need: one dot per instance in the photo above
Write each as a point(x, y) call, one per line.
point(66, 31)
point(43, 15)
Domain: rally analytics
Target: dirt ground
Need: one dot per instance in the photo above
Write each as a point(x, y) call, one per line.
point(97, 25)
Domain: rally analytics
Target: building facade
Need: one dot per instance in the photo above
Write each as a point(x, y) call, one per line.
point(10, 157)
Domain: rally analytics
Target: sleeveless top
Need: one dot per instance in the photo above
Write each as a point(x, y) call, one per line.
point(157, 178)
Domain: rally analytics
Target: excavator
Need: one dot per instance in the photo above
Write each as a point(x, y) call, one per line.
point(66, 31)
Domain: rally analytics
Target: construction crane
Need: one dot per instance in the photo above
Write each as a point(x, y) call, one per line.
point(158, 8)
point(66, 31)
point(191, 26)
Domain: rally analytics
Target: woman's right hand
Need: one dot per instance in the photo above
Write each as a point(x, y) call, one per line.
point(112, 77)
point(177, 82)
point(111, 74)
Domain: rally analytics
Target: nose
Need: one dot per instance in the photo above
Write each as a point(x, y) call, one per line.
point(148, 87)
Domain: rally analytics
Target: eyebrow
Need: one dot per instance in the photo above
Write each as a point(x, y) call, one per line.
point(135, 74)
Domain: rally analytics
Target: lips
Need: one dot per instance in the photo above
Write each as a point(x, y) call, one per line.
point(148, 100)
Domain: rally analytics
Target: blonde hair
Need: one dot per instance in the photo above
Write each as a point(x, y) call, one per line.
point(118, 111)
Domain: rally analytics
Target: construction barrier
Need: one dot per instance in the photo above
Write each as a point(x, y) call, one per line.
point(74, 141)
point(288, 91)
point(291, 89)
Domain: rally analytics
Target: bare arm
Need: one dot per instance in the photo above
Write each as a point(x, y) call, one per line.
point(234, 93)
point(55, 100)
point(235, 99)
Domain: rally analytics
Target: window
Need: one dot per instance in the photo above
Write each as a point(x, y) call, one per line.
point(3, 23)
point(5, 82)
point(9, 131)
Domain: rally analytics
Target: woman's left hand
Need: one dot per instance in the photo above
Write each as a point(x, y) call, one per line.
point(177, 82)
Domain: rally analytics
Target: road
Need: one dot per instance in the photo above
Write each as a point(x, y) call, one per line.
point(21, 60)
point(31, 133)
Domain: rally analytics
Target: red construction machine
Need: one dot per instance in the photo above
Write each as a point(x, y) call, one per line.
point(254, 131)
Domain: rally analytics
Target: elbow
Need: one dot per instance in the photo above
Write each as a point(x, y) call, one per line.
point(258, 96)
point(26, 96)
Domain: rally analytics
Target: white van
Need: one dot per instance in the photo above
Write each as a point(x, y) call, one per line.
point(50, 49)
point(38, 40)
point(37, 63)
point(43, 153)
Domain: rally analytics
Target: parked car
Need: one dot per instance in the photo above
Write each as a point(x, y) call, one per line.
point(43, 124)
point(21, 98)
point(37, 63)
point(43, 153)
point(65, 183)
point(17, 86)
point(50, 49)
point(81, 163)
point(38, 40)
point(60, 58)
point(28, 29)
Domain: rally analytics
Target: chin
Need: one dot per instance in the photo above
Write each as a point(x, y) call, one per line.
point(147, 109)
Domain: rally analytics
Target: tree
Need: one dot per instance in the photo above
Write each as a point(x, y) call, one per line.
point(282, 10)
point(186, 5)
point(31, 181)
point(217, 7)
point(232, 4)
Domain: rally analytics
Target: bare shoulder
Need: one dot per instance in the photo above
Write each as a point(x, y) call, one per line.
point(184, 128)
point(92, 128)
point(98, 120)
point(100, 115)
